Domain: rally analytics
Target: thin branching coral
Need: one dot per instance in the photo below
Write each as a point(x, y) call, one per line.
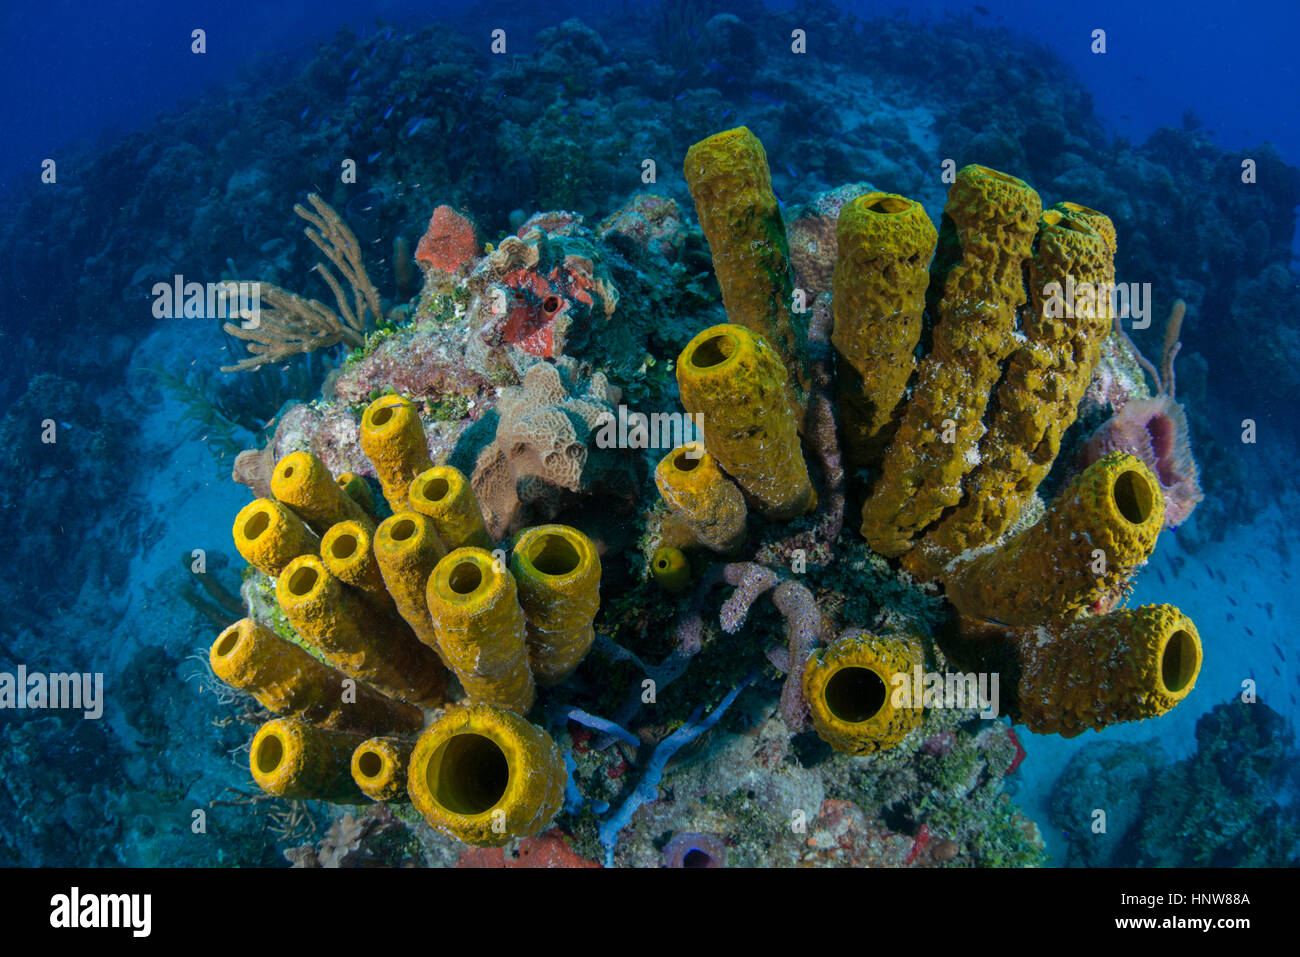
point(287, 324)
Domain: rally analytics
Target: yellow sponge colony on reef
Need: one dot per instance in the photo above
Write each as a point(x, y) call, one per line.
point(379, 768)
point(850, 690)
point(444, 495)
point(407, 550)
point(705, 500)
point(977, 285)
point(732, 377)
point(302, 482)
point(884, 244)
point(335, 621)
point(731, 185)
point(394, 441)
point(291, 759)
point(1124, 666)
point(485, 776)
point(287, 680)
point(1097, 532)
point(481, 630)
point(269, 536)
point(557, 574)
point(1045, 379)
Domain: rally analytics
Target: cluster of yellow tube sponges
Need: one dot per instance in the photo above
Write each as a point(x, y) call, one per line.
point(956, 443)
point(381, 611)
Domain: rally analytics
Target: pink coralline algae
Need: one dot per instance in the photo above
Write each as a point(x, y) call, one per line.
point(652, 223)
point(449, 245)
point(812, 237)
point(1155, 430)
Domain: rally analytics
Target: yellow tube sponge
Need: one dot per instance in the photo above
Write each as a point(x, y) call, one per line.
point(344, 629)
point(733, 378)
point(884, 244)
point(976, 286)
point(407, 550)
point(302, 482)
point(357, 489)
point(670, 569)
point(730, 182)
point(849, 686)
point(485, 776)
point(379, 768)
point(1124, 666)
point(287, 680)
point(705, 500)
point(557, 574)
point(444, 495)
point(481, 629)
point(1084, 549)
point(270, 536)
point(1039, 395)
point(347, 550)
point(292, 759)
point(394, 441)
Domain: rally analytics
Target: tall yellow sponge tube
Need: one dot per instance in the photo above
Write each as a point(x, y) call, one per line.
point(976, 286)
point(344, 629)
point(269, 536)
point(1101, 527)
point(301, 481)
point(287, 680)
point(444, 494)
point(292, 759)
point(1041, 387)
point(394, 441)
point(850, 688)
point(884, 244)
point(1124, 666)
point(557, 572)
point(707, 502)
point(379, 767)
point(729, 180)
point(733, 378)
point(407, 550)
point(347, 550)
point(485, 776)
point(481, 629)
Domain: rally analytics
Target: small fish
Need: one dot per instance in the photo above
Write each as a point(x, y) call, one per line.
point(305, 111)
point(418, 123)
point(982, 11)
point(725, 114)
point(374, 156)
point(1277, 671)
point(354, 74)
point(1231, 600)
point(680, 96)
point(389, 112)
point(1278, 650)
point(1224, 578)
point(1160, 575)
point(1231, 617)
point(1249, 632)
point(388, 33)
point(462, 127)
point(790, 169)
point(1268, 607)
